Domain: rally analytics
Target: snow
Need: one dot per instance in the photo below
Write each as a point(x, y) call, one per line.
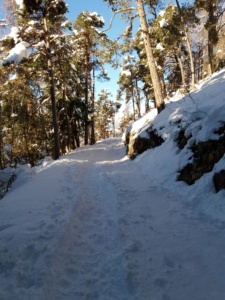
point(20, 3)
point(13, 77)
point(98, 17)
point(139, 127)
point(18, 53)
point(14, 33)
point(95, 225)
point(40, 44)
point(125, 72)
point(163, 23)
point(162, 13)
point(32, 22)
point(64, 24)
point(8, 148)
point(159, 47)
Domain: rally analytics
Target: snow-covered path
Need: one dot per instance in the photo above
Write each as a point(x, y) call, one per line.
point(92, 227)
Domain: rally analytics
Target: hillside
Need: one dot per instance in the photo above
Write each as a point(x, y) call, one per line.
point(187, 122)
point(96, 225)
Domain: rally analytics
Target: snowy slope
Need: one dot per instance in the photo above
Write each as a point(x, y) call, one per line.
point(199, 113)
point(96, 226)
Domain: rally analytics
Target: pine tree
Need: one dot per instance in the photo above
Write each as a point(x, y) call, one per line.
point(105, 110)
point(214, 10)
point(42, 29)
point(128, 83)
point(127, 6)
point(91, 52)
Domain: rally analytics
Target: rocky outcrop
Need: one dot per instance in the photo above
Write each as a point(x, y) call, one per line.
point(219, 180)
point(182, 139)
point(205, 156)
point(140, 143)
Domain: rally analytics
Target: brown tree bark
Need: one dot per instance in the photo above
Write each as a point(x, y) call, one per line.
point(159, 99)
point(188, 46)
point(52, 95)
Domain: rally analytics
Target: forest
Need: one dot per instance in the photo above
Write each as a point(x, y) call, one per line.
point(49, 65)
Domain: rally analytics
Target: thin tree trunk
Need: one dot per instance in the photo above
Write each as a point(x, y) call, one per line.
point(133, 101)
point(68, 122)
point(138, 98)
point(68, 129)
point(159, 100)
point(76, 135)
point(210, 54)
point(191, 59)
point(188, 46)
point(92, 102)
point(86, 123)
point(26, 134)
point(147, 108)
point(181, 69)
point(87, 74)
point(162, 82)
point(212, 36)
point(52, 95)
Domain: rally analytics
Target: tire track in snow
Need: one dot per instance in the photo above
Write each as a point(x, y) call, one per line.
point(88, 263)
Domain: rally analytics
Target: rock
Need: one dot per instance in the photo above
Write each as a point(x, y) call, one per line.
point(206, 154)
point(133, 156)
point(182, 139)
point(219, 180)
point(139, 144)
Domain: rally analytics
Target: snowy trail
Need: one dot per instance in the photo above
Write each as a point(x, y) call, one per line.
point(108, 232)
point(90, 248)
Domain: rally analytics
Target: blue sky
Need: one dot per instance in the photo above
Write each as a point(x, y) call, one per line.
point(75, 8)
point(99, 6)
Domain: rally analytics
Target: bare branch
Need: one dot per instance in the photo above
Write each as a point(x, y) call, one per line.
point(115, 13)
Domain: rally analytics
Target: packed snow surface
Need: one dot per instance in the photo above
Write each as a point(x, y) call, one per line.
point(95, 225)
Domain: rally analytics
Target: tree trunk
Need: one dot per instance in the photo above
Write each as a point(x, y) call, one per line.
point(181, 69)
point(68, 121)
point(68, 142)
point(54, 110)
point(163, 86)
point(76, 140)
point(138, 98)
point(212, 32)
point(133, 101)
point(188, 46)
point(87, 74)
point(210, 60)
point(92, 102)
point(147, 107)
point(86, 123)
point(159, 100)
point(52, 95)
point(191, 59)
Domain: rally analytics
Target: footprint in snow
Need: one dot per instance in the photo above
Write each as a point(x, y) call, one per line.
point(169, 262)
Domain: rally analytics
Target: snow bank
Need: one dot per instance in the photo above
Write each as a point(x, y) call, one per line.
point(139, 127)
point(199, 114)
